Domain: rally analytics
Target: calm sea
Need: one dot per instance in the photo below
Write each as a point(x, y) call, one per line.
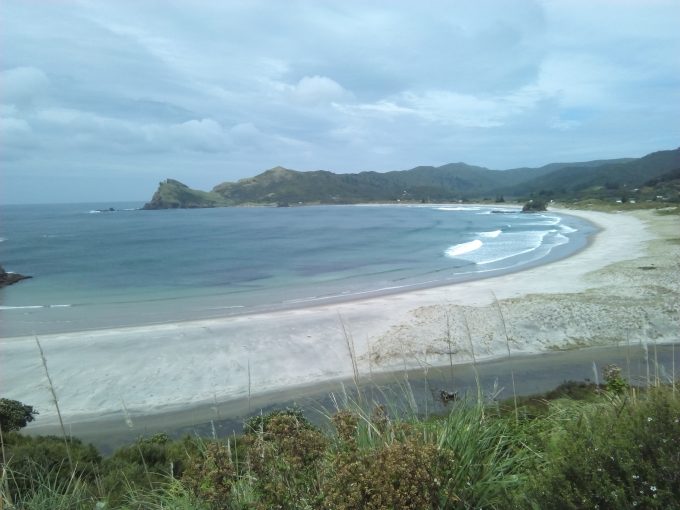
point(129, 267)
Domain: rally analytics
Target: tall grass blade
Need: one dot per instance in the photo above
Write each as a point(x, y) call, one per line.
point(507, 344)
point(449, 342)
point(673, 366)
point(480, 397)
point(56, 402)
point(249, 387)
point(352, 354)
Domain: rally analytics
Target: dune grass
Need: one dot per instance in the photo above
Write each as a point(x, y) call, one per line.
point(581, 446)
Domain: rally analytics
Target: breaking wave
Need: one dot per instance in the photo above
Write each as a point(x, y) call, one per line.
point(463, 248)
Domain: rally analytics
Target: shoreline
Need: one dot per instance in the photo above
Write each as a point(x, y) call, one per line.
point(580, 300)
point(497, 378)
point(203, 313)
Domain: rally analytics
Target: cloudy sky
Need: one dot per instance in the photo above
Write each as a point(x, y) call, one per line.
point(100, 100)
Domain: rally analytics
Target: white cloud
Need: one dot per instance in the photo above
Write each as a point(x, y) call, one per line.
point(319, 89)
point(382, 107)
point(313, 90)
point(90, 129)
point(452, 108)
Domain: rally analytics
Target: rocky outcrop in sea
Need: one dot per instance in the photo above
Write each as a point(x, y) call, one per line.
point(10, 278)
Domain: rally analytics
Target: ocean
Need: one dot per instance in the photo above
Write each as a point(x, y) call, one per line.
point(97, 269)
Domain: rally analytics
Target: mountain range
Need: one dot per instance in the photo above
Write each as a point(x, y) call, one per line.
point(451, 182)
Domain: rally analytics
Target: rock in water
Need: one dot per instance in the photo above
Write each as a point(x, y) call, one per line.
point(10, 278)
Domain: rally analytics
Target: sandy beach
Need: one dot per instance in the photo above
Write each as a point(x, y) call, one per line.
point(625, 286)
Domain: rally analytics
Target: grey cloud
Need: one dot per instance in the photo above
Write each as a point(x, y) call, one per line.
point(211, 91)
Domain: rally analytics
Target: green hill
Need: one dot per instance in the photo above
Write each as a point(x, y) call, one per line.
point(607, 176)
point(172, 194)
point(451, 182)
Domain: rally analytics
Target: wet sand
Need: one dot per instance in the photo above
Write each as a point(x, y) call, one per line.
point(533, 374)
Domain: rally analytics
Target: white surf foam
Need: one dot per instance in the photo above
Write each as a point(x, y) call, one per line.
point(28, 307)
point(460, 249)
point(457, 208)
point(509, 255)
point(532, 241)
point(550, 220)
point(33, 307)
point(490, 235)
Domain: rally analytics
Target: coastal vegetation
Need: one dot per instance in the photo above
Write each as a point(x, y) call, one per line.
point(14, 415)
point(655, 177)
point(583, 445)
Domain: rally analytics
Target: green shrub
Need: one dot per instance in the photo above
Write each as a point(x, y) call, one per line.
point(147, 463)
point(41, 462)
point(260, 423)
point(578, 446)
point(53, 491)
point(398, 475)
point(15, 415)
point(170, 495)
point(285, 458)
point(211, 474)
point(615, 381)
point(622, 453)
point(490, 458)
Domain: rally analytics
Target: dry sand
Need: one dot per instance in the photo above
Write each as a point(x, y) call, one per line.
point(625, 286)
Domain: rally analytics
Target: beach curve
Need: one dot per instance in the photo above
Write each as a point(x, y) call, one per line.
point(593, 296)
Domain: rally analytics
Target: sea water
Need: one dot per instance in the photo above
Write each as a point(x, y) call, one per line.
point(95, 268)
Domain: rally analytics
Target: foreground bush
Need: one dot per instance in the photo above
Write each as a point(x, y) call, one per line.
point(620, 453)
point(396, 467)
point(615, 448)
point(37, 464)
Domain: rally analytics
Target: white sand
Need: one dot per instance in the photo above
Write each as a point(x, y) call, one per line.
point(597, 296)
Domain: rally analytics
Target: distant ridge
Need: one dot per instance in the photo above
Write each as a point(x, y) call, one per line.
point(451, 182)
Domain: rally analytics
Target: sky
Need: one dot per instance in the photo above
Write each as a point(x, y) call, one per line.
point(101, 100)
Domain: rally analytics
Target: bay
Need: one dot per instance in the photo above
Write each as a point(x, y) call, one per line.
point(96, 269)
